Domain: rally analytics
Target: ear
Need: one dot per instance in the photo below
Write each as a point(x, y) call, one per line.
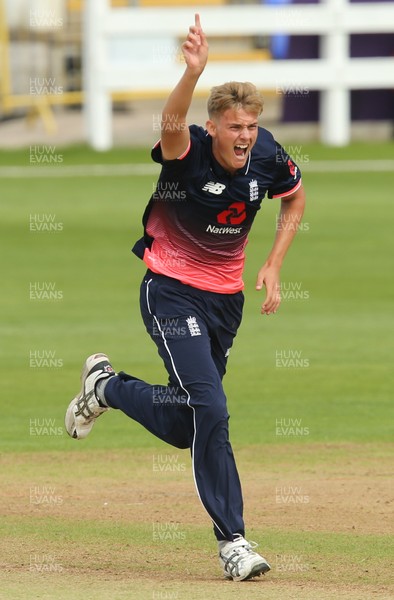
point(211, 128)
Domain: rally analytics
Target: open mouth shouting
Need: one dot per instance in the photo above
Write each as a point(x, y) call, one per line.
point(241, 150)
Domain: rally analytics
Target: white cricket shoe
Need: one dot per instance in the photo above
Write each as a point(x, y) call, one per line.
point(240, 562)
point(84, 409)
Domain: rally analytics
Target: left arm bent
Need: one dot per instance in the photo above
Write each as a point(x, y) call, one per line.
point(291, 211)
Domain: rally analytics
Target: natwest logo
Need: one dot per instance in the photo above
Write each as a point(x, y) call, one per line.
point(233, 215)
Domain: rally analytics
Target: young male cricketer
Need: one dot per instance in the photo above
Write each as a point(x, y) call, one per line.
point(191, 296)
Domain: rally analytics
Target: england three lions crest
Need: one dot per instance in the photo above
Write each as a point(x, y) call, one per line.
point(253, 190)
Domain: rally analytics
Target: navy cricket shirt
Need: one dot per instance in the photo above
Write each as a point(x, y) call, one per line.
point(197, 221)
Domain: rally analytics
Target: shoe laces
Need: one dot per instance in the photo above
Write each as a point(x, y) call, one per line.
point(238, 550)
point(249, 546)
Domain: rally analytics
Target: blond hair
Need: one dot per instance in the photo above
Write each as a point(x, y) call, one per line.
point(236, 95)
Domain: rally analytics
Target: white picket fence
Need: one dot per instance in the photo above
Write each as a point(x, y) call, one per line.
point(136, 49)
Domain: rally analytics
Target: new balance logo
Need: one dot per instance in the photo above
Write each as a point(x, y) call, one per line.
point(214, 188)
point(193, 326)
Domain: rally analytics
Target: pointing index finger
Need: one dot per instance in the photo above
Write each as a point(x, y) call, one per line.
point(197, 20)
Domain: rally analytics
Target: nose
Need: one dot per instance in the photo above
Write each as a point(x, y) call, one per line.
point(245, 133)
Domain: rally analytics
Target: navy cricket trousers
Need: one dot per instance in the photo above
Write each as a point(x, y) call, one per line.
point(193, 330)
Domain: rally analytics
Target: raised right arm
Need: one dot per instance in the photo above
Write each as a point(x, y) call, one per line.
point(175, 136)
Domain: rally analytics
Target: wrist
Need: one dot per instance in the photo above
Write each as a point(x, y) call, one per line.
point(274, 262)
point(193, 72)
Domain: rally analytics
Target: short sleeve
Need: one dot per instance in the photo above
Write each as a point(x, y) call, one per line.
point(190, 157)
point(287, 175)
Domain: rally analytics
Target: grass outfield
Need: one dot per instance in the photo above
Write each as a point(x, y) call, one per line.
point(313, 442)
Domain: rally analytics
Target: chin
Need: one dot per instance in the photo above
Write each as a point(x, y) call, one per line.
point(240, 163)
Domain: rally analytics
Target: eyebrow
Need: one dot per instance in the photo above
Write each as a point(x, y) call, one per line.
point(240, 124)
